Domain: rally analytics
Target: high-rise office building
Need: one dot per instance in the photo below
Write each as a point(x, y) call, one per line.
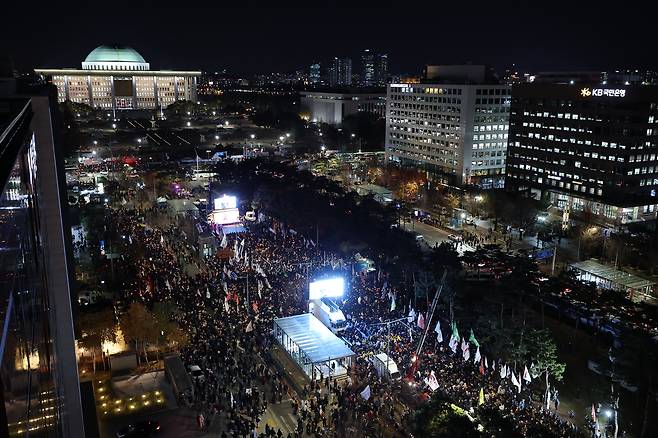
point(454, 125)
point(117, 78)
point(39, 386)
point(586, 148)
point(381, 70)
point(340, 72)
point(367, 68)
point(314, 74)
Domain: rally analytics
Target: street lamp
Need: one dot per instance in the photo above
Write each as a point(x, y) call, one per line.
point(322, 148)
point(139, 140)
point(95, 142)
point(214, 113)
point(189, 124)
point(252, 136)
point(217, 137)
point(353, 135)
point(287, 135)
point(281, 138)
point(114, 126)
point(226, 123)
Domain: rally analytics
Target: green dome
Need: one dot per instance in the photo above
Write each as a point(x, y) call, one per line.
point(114, 54)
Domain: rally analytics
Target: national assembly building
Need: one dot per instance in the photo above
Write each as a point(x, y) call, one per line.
point(118, 78)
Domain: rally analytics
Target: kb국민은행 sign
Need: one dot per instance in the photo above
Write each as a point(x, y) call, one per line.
point(600, 92)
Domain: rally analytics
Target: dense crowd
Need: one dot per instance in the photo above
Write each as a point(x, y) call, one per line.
point(227, 307)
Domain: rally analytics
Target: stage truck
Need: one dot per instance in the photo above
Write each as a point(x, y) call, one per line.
point(322, 305)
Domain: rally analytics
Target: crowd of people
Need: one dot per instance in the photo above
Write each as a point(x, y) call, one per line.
point(228, 304)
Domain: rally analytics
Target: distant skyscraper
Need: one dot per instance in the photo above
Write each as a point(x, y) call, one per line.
point(368, 68)
point(314, 74)
point(340, 72)
point(381, 70)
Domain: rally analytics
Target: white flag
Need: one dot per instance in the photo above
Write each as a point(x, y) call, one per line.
point(486, 363)
point(224, 242)
point(432, 382)
point(412, 316)
point(516, 382)
point(392, 302)
point(467, 353)
point(526, 374)
point(260, 288)
point(453, 343)
point(366, 393)
point(477, 356)
point(231, 392)
point(161, 239)
point(503, 371)
point(439, 335)
point(250, 327)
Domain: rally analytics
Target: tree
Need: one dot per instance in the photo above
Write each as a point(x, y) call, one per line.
point(543, 351)
point(97, 328)
point(140, 326)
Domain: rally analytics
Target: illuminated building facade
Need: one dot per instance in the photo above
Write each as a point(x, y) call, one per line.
point(118, 78)
point(39, 384)
point(587, 148)
point(457, 131)
point(332, 106)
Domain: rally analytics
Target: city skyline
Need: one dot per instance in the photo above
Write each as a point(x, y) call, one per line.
point(258, 40)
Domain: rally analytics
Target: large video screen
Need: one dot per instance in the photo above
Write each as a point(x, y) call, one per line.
point(331, 287)
point(225, 201)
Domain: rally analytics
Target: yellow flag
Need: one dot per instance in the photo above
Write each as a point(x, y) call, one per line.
point(481, 400)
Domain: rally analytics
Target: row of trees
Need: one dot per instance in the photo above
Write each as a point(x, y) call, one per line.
point(139, 325)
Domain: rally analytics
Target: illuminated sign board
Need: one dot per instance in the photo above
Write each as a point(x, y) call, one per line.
point(603, 92)
point(225, 202)
point(225, 216)
point(331, 287)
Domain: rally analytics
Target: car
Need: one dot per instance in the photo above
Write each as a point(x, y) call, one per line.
point(142, 428)
point(455, 238)
point(419, 237)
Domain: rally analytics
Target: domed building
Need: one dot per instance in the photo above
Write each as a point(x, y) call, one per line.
point(119, 78)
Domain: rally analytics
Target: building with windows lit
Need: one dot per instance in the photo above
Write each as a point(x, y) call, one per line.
point(381, 70)
point(340, 72)
point(367, 68)
point(586, 148)
point(333, 105)
point(314, 74)
point(39, 384)
point(455, 125)
point(118, 78)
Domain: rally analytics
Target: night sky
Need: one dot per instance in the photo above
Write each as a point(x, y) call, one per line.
point(544, 36)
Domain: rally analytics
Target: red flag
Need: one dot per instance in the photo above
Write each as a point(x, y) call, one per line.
point(254, 306)
point(481, 367)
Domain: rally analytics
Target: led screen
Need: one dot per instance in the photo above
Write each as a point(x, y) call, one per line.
point(331, 287)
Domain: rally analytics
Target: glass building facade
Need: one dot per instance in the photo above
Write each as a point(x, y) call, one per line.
point(39, 389)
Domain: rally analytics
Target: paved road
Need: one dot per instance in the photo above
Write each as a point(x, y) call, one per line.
point(433, 236)
point(279, 416)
